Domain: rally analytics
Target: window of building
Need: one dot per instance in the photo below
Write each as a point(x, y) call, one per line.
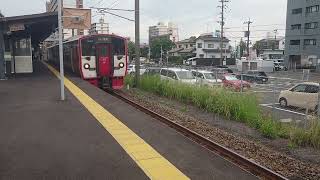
point(213, 56)
point(191, 45)
point(210, 45)
point(187, 46)
point(312, 9)
point(297, 11)
point(294, 42)
point(199, 45)
point(201, 55)
point(311, 42)
point(295, 26)
point(312, 25)
point(180, 46)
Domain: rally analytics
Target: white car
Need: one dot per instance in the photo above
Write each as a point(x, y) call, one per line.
point(303, 95)
point(206, 78)
point(132, 69)
point(177, 74)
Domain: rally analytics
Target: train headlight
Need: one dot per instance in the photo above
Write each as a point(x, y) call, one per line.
point(86, 66)
point(121, 65)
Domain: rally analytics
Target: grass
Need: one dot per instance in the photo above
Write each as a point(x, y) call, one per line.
point(307, 137)
point(241, 107)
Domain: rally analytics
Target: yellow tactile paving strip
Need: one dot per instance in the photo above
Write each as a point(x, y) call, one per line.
point(149, 160)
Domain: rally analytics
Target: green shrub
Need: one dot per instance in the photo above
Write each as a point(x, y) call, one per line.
point(307, 137)
point(241, 107)
point(129, 80)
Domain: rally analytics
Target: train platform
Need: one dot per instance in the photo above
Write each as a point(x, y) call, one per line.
point(92, 135)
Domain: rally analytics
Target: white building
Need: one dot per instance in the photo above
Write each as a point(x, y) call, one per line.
point(99, 28)
point(162, 30)
point(208, 46)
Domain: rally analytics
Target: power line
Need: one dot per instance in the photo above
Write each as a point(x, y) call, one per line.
point(261, 25)
point(103, 11)
point(112, 9)
point(265, 30)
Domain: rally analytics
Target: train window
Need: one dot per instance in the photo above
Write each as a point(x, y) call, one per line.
point(118, 46)
point(88, 49)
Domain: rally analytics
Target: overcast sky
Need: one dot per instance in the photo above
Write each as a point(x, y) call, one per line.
point(193, 17)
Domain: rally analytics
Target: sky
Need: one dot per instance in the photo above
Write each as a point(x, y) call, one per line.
point(193, 17)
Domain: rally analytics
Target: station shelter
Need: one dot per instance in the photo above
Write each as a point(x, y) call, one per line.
point(20, 38)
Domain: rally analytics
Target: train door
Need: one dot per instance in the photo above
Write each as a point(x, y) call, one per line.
point(103, 55)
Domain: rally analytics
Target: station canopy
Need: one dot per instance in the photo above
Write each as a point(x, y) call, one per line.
point(36, 26)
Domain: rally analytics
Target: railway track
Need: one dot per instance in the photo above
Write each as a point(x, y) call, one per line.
point(241, 161)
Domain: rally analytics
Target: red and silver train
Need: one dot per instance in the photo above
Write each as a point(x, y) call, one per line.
point(100, 59)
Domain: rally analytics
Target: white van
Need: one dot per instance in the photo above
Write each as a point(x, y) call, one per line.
point(206, 78)
point(177, 74)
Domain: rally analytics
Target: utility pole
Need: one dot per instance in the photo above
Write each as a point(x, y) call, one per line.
point(161, 54)
point(2, 51)
point(137, 41)
point(222, 23)
point(248, 36)
point(275, 38)
point(61, 50)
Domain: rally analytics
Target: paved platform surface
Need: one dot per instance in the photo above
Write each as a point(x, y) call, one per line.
point(43, 138)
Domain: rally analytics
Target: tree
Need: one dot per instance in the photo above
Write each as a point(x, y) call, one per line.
point(144, 52)
point(258, 47)
point(131, 50)
point(156, 44)
point(243, 46)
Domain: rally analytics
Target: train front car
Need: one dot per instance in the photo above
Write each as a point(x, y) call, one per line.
point(104, 60)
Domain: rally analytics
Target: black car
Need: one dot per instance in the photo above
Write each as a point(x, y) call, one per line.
point(254, 77)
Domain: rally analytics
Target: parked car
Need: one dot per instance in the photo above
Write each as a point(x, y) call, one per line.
point(279, 66)
point(152, 71)
point(254, 77)
point(177, 74)
point(132, 69)
point(232, 82)
point(206, 78)
point(303, 95)
point(220, 72)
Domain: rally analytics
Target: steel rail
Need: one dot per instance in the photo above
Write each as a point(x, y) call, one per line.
point(241, 161)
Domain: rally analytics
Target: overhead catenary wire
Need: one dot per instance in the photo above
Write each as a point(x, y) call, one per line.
point(102, 11)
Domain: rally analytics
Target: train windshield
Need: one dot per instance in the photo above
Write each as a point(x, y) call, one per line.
point(88, 47)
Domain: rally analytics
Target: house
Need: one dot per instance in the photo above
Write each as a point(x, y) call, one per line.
point(269, 43)
point(271, 49)
point(185, 48)
point(208, 46)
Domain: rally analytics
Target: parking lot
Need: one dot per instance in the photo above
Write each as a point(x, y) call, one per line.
point(269, 93)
